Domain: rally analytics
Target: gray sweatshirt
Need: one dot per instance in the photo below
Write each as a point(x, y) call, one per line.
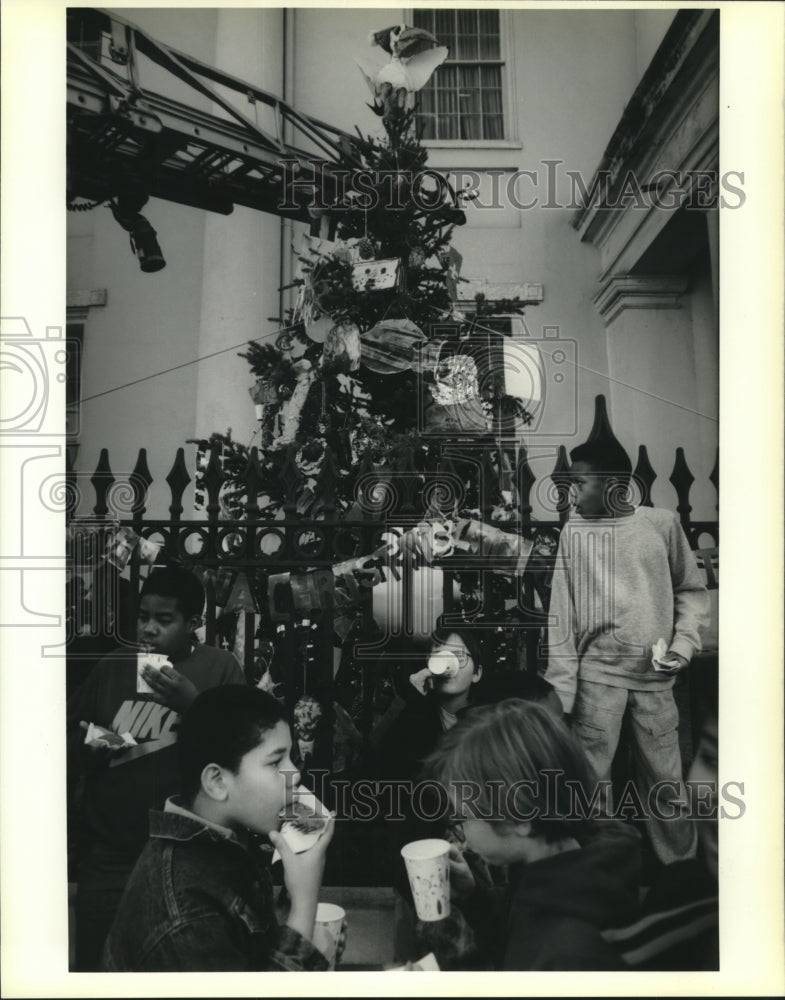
point(619, 585)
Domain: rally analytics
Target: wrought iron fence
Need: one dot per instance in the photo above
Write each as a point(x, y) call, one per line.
point(262, 549)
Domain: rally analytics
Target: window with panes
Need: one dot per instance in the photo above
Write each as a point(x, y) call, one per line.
point(463, 99)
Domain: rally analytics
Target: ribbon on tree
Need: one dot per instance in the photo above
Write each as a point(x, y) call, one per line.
point(342, 587)
point(505, 547)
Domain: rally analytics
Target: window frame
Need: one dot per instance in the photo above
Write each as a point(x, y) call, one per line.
point(76, 321)
point(506, 60)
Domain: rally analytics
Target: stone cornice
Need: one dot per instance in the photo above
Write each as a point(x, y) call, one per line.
point(657, 130)
point(529, 292)
point(80, 301)
point(626, 291)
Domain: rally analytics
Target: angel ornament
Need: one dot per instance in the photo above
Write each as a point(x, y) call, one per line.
point(292, 407)
point(415, 54)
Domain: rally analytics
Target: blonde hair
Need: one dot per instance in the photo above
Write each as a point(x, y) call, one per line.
point(519, 747)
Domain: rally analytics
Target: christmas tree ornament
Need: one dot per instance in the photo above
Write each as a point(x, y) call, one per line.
point(456, 381)
point(291, 408)
point(149, 551)
point(430, 540)
point(317, 323)
point(268, 684)
point(366, 249)
point(377, 275)
point(241, 597)
point(414, 55)
point(307, 716)
point(451, 262)
point(342, 348)
point(353, 578)
point(120, 546)
point(262, 392)
point(312, 591)
point(416, 257)
point(392, 346)
point(460, 406)
point(348, 250)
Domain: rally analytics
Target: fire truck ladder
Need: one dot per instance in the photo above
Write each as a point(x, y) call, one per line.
point(122, 138)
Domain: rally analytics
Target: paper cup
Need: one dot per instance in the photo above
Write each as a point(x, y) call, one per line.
point(428, 868)
point(154, 660)
point(444, 663)
point(327, 930)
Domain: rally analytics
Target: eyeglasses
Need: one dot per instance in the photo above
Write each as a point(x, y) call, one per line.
point(460, 654)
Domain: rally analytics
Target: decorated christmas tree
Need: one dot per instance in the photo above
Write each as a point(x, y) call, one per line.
point(376, 328)
point(377, 364)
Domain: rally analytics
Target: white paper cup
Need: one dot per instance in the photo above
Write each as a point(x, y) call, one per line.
point(327, 930)
point(444, 663)
point(154, 660)
point(428, 868)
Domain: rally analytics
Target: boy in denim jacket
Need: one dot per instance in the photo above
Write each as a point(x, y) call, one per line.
point(121, 783)
point(200, 897)
point(625, 578)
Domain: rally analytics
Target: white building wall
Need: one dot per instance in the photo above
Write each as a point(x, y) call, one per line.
point(143, 384)
point(572, 72)
point(242, 251)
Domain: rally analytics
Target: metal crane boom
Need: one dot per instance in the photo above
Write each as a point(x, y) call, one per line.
point(125, 139)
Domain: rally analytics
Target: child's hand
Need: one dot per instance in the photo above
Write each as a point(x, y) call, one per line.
point(461, 876)
point(170, 687)
point(110, 747)
point(422, 681)
point(302, 875)
point(672, 663)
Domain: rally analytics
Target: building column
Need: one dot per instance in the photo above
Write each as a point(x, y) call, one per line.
point(241, 265)
point(655, 379)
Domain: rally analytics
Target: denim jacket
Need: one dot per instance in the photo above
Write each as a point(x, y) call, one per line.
point(201, 900)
